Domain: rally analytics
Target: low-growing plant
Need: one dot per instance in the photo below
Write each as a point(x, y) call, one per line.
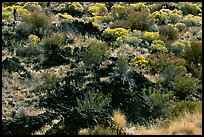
point(33, 6)
point(119, 12)
point(65, 15)
point(50, 79)
point(160, 103)
point(76, 6)
point(128, 39)
point(98, 130)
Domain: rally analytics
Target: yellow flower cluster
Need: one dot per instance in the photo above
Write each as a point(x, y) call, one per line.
point(117, 7)
point(116, 31)
point(152, 35)
point(140, 6)
point(74, 5)
point(33, 38)
point(98, 9)
point(8, 10)
point(65, 15)
point(157, 45)
point(138, 60)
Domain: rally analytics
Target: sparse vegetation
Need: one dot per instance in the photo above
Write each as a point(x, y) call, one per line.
point(101, 68)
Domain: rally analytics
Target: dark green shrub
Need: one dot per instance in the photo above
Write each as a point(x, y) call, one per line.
point(184, 87)
point(169, 31)
point(52, 50)
point(121, 65)
point(194, 52)
point(159, 103)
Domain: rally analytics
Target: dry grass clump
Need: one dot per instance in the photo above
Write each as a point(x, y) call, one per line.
point(186, 124)
point(119, 119)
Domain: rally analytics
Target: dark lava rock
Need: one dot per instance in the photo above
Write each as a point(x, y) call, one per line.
point(26, 125)
point(12, 64)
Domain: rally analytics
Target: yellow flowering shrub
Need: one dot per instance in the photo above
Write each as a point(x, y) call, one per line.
point(119, 12)
point(151, 35)
point(65, 15)
point(138, 61)
point(116, 31)
point(128, 39)
point(33, 38)
point(7, 12)
point(32, 6)
point(165, 16)
point(98, 9)
point(191, 20)
point(74, 6)
point(177, 47)
point(117, 7)
point(140, 6)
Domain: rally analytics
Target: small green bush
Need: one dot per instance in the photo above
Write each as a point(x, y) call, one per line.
point(54, 39)
point(95, 53)
point(121, 65)
point(160, 103)
point(158, 45)
point(180, 26)
point(194, 52)
point(177, 47)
